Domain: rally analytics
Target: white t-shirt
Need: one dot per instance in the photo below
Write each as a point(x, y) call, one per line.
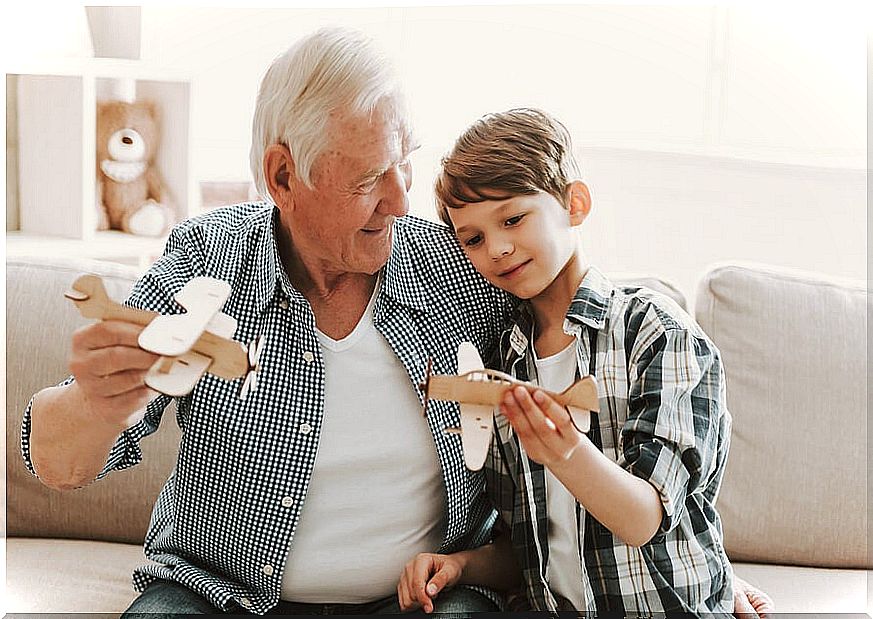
point(377, 496)
point(564, 571)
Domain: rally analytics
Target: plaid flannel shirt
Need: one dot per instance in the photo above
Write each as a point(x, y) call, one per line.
point(663, 418)
point(225, 518)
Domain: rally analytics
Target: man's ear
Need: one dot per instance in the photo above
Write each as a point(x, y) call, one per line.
point(279, 174)
point(580, 202)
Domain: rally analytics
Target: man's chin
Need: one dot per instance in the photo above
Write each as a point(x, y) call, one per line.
point(375, 254)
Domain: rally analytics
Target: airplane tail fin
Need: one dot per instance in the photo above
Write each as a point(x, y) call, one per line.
point(580, 400)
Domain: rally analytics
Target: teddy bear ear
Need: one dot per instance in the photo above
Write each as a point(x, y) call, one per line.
point(151, 107)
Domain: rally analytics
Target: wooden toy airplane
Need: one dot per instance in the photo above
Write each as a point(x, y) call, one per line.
point(189, 344)
point(480, 391)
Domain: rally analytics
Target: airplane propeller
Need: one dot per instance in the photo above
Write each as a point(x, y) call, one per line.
point(250, 384)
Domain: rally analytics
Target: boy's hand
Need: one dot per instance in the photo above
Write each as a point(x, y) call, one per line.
point(750, 601)
point(424, 577)
point(544, 428)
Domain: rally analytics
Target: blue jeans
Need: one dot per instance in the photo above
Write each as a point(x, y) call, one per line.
point(163, 599)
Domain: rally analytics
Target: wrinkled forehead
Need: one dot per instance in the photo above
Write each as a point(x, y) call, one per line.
point(361, 142)
point(348, 130)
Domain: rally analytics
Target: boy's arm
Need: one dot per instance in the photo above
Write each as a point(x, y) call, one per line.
point(671, 441)
point(427, 574)
point(628, 506)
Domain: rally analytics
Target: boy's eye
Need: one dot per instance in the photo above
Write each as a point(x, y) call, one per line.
point(473, 241)
point(514, 220)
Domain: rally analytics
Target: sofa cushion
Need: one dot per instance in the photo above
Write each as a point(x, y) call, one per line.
point(654, 283)
point(69, 576)
point(812, 590)
point(794, 352)
point(40, 322)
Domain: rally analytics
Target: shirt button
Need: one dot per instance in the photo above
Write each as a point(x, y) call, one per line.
point(287, 501)
point(305, 428)
point(267, 569)
point(283, 303)
point(308, 357)
point(246, 602)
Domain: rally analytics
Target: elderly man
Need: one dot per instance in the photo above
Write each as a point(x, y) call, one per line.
point(310, 495)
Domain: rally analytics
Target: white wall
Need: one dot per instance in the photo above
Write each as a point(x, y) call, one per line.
point(706, 133)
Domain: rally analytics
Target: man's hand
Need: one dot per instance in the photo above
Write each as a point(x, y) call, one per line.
point(74, 426)
point(110, 370)
point(544, 428)
point(750, 601)
point(424, 577)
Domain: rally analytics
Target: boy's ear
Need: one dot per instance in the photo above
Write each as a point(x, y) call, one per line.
point(580, 202)
point(279, 173)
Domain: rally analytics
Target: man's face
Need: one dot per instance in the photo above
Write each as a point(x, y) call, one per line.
point(360, 185)
point(520, 245)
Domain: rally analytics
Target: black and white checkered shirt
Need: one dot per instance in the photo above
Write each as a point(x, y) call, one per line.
point(663, 417)
point(223, 523)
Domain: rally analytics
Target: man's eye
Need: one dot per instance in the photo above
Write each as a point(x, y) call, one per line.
point(473, 241)
point(514, 220)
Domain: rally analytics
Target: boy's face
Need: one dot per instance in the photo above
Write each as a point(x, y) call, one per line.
point(520, 244)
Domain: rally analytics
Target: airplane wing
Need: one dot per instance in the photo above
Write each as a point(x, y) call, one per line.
point(173, 335)
point(176, 376)
point(477, 420)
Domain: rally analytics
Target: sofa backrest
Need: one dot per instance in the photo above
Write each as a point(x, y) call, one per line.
point(39, 324)
point(795, 357)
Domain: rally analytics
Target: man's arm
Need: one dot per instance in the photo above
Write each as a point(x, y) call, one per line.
point(74, 426)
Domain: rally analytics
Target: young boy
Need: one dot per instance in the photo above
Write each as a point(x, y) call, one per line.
point(622, 518)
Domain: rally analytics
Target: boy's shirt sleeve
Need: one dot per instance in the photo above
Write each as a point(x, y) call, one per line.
point(676, 418)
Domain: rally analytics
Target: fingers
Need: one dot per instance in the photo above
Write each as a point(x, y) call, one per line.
point(742, 606)
point(410, 590)
point(751, 602)
point(421, 573)
point(542, 425)
point(111, 360)
point(439, 581)
point(107, 333)
point(762, 603)
point(539, 415)
point(404, 591)
point(107, 360)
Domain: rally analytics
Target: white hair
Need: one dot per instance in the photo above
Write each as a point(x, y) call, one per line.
point(331, 69)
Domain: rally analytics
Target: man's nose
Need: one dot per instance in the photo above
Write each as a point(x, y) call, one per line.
point(395, 199)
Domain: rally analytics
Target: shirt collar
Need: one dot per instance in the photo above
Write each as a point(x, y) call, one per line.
point(401, 282)
point(589, 307)
point(272, 281)
point(590, 304)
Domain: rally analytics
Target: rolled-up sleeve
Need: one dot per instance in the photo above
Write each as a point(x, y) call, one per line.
point(154, 292)
point(125, 452)
point(675, 410)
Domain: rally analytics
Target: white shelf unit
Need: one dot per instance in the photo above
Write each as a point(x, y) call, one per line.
point(56, 110)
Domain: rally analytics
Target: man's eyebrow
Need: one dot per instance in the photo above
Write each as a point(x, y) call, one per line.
point(374, 173)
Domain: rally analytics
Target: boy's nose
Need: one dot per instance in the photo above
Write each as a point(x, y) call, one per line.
point(499, 248)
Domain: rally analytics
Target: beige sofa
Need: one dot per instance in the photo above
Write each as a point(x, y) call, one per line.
point(793, 503)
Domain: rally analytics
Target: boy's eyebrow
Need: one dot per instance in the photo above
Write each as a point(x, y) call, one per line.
point(498, 211)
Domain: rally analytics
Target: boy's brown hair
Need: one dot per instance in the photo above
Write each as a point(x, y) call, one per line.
point(506, 154)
